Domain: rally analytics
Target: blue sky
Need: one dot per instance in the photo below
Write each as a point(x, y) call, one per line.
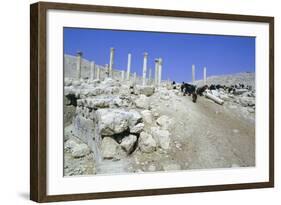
point(220, 54)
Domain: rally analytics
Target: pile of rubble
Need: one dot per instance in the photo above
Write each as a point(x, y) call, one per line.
point(243, 96)
point(108, 122)
point(113, 120)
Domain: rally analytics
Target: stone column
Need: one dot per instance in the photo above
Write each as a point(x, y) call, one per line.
point(122, 75)
point(78, 64)
point(135, 77)
point(98, 73)
point(129, 66)
point(205, 75)
point(193, 73)
point(107, 70)
point(92, 67)
point(159, 71)
point(111, 62)
point(156, 72)
point(149, 76)
point(144, 68)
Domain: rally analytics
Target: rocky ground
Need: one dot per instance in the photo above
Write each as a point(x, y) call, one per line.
point(113, 127)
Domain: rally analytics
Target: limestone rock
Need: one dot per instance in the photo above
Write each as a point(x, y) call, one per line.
point(146, 143)
point(155, 114)
point(147, 116)
point(83, 128)
point(116, 102)
point(80, 150)
point(165, 97)
point(112, 121)
point(164, 122)
point(111, 90)
point(67, 82)
point(251, 110)
point(239, 91)
point(142, 102)
point(72, 91)
point(68, 114)
point(96, 91)
point(247, 101)
point(109, 82)
point(145, 90)
point(76, 83)
point(162, 137)
point(100, 102)
point(224, 97)
point(215, 93)
point(70, 144)
point(125, 90)
point(249, 94)
point(94, 82)
point(135, 117)
point(126, 100)
point(67, 133)
point(94, 102)
point(66, 100)
point(109, 148)
point(128, 143)
point(137, 128)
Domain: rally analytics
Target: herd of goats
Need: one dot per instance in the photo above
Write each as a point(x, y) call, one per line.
point(194, 91)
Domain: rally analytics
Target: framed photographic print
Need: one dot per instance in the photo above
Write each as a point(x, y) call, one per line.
point(134, 102)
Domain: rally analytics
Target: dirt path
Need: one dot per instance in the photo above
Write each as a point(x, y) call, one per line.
point(211, 135)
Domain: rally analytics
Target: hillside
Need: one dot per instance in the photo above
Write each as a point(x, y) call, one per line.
point(245, 78)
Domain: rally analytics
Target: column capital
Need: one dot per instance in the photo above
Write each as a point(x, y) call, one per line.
point(145, 54)
point(79, 53)
point(160, 60)
point(112, 48)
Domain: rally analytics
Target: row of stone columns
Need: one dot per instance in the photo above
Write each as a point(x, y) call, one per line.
point(204, 74)
point(95, 72)
point(158, 70)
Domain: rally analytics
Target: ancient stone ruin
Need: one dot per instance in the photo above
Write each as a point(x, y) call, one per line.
point(118, 122)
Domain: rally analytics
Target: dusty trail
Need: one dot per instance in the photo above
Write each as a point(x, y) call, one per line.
point(211, 135)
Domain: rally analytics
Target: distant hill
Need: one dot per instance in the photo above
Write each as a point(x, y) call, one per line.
point(245, 78)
